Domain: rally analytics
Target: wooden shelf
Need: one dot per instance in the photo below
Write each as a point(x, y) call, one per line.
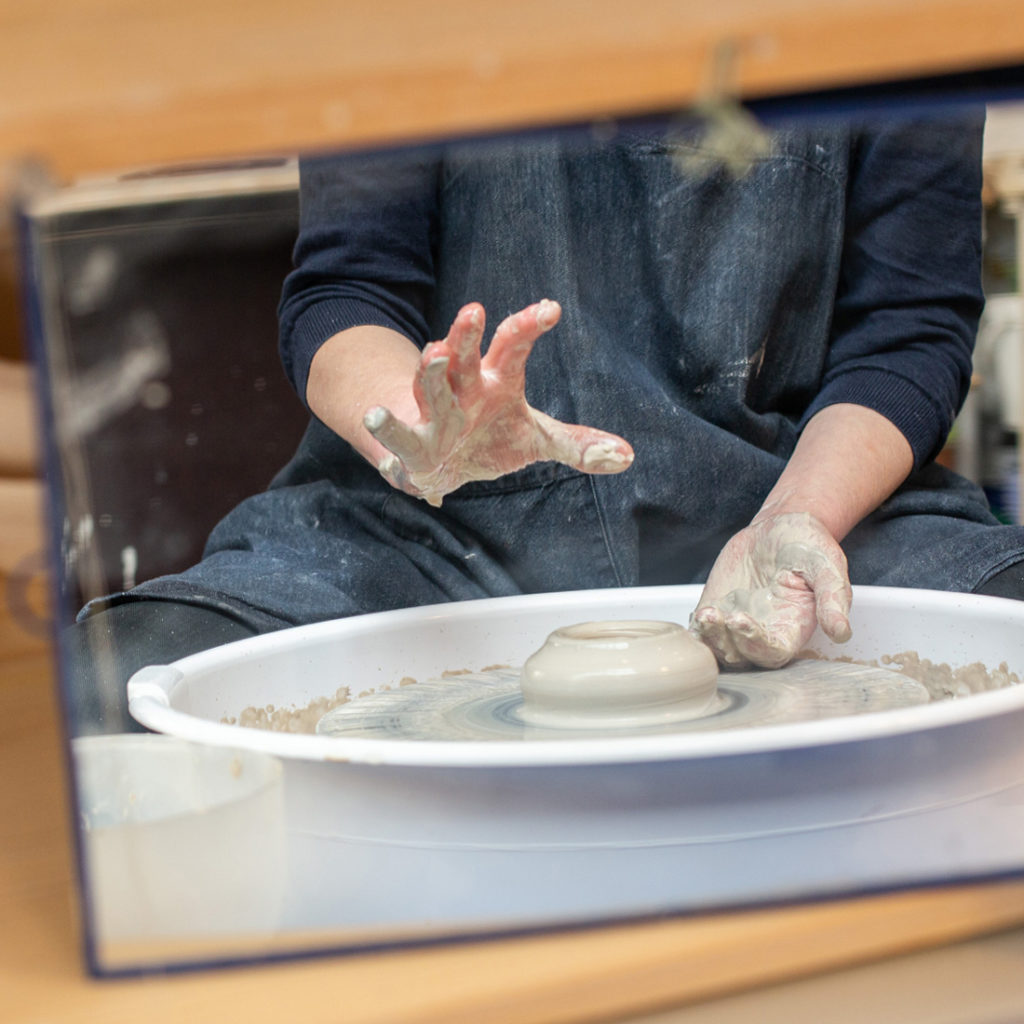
point(91, 85)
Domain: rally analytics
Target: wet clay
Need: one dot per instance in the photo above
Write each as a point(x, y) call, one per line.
point(620, 672)
point(300, 720)
point(487, 707)
point(942, 681)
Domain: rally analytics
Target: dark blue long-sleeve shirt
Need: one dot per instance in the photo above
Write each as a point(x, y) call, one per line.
point(843, 268)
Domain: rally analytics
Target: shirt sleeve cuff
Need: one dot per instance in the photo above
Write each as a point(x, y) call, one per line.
point(901, 401)
point(322, 320)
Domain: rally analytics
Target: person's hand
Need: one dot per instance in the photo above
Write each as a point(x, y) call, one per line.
point(769, 587)
point(474, 420)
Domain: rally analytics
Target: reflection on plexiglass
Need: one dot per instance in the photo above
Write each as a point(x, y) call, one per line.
point(345, 439)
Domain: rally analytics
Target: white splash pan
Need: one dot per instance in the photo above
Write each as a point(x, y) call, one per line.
point(448, 835)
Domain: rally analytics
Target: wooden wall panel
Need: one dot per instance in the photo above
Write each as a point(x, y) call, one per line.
point(94, 85)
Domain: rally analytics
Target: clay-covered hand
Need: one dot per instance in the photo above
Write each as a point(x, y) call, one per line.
point(770, 586)
point(474, 421)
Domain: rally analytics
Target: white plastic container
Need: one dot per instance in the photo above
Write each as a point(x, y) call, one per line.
point(441, 836)
point(179, 839)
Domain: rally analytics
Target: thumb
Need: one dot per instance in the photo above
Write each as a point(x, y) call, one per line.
point(584, 448)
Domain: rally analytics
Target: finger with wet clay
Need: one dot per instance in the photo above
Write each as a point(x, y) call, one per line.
point(833, 611)
point(584, 448)
point(761, 644)
point(708, 623)
point(833, 598)
point(515, 337)
point(398, 437)
point(463, 346)
point(825, 575)
point(439, 408)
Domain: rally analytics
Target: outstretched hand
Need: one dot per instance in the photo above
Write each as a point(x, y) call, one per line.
point(770, 586)
point(474, 421)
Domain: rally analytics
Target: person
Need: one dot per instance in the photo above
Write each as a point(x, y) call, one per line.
point(734, 380)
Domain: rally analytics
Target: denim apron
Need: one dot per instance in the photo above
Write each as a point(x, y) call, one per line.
point(696, 323)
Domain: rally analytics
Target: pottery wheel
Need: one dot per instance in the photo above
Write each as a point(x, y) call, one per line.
point(485, 705)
